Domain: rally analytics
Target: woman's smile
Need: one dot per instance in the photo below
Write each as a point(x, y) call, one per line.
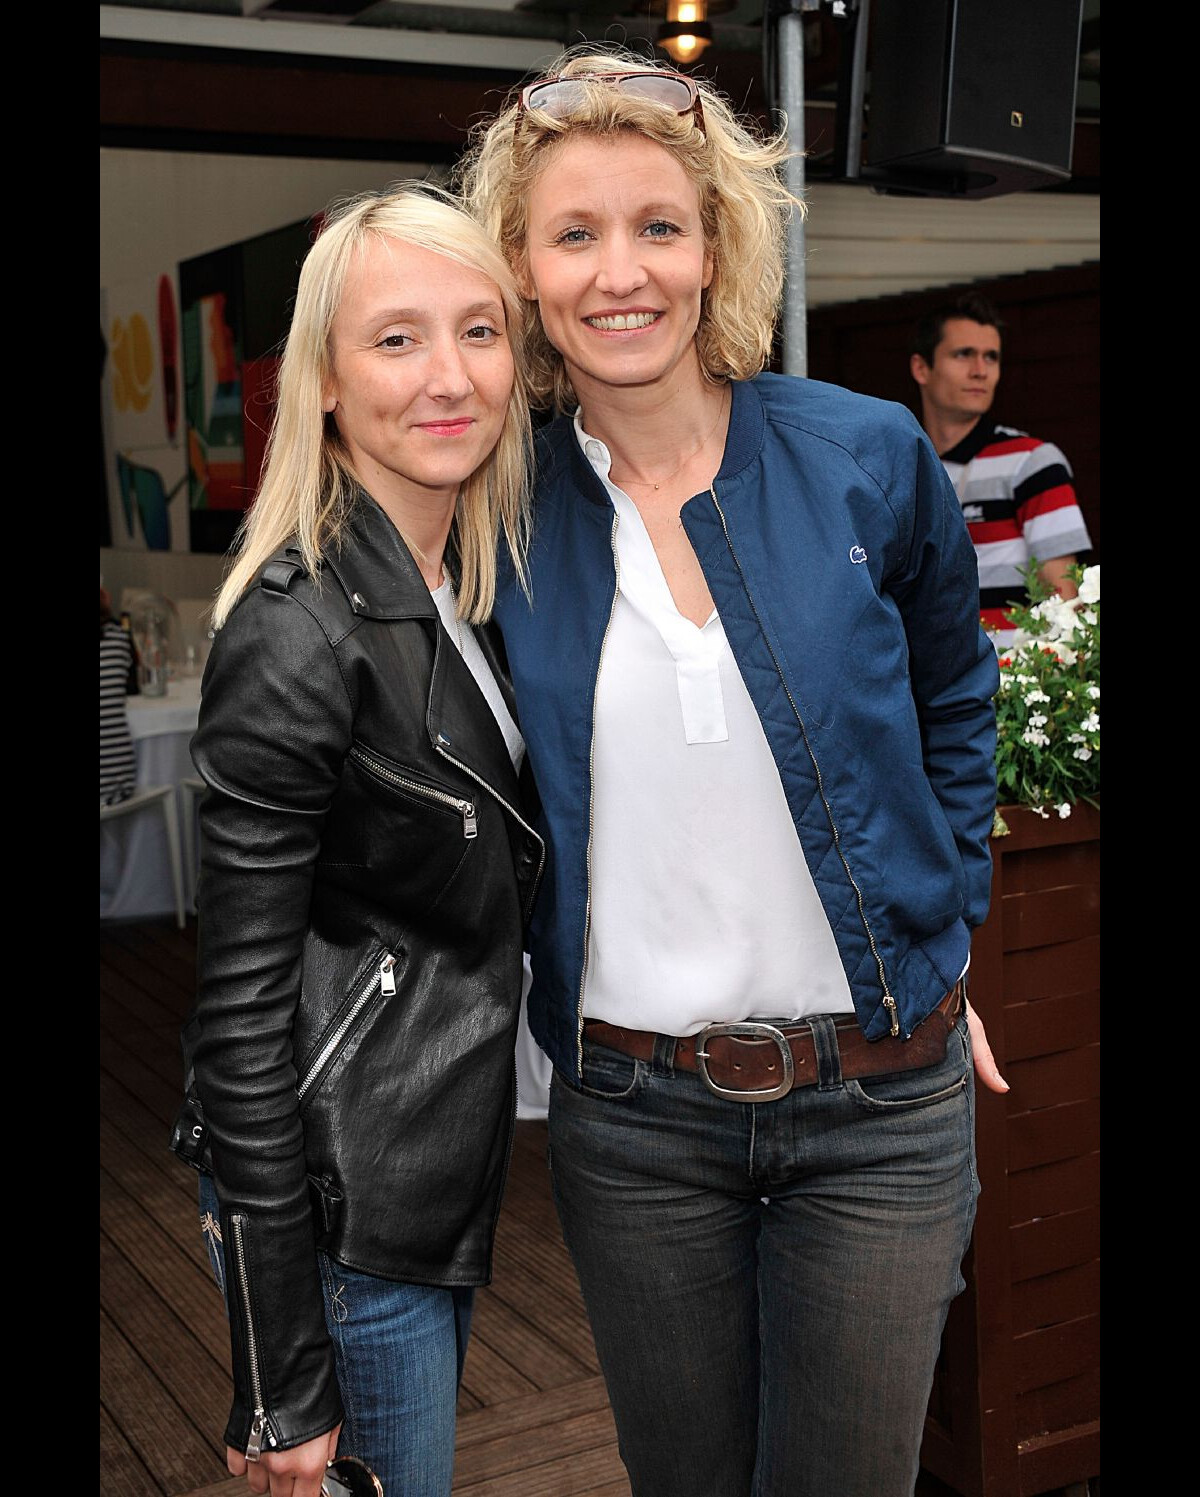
point(622, 322)
point(446, 428)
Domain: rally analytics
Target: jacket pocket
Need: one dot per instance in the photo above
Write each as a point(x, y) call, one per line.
point(379, 984)
point(419, 788)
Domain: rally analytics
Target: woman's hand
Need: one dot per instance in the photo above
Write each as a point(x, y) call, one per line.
point(287, 1473)
point(985, 1061)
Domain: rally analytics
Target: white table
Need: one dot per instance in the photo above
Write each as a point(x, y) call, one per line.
point(135, 871)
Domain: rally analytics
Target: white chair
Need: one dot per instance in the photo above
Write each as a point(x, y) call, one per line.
point(163, 796)
point(189, 789)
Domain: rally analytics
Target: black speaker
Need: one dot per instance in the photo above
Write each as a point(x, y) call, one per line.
point(971, 98)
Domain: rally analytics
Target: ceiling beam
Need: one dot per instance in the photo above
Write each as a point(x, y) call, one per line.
point(301, 38)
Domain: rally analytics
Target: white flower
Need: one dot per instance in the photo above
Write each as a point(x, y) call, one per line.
point(1082, 753)
point(1066, 654)
point(1076, 737)
point(1036, 737)
point(1037, 719)
point(1036, 696)
point(1041, 811)
point(1088, 615)
point(1091, 723)
point(1057, 615)
point(1064, 811)
point(1089, 588)
point(1063, 622)
point(1094, 693)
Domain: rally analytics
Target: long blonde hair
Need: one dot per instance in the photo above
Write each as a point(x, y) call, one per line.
point(308, 488)
point(744, 207)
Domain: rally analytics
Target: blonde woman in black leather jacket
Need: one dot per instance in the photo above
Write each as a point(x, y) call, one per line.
point(367, 866)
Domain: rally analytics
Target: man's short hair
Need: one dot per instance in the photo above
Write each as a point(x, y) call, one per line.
point(932, 327)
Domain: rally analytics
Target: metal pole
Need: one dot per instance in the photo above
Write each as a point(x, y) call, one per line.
point(791, 98)
point(860, 20)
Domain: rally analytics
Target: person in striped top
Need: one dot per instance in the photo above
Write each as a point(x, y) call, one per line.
point(1016, 491)
point(117, 767)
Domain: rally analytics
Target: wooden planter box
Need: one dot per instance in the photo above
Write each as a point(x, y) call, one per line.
point(1015, 1408)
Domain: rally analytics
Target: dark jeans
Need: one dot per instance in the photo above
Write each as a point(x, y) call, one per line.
point(398, 1349)
point(767, 1282)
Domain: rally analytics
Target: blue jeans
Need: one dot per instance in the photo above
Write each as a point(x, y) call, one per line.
point(767, 1283)
point(398, 1350)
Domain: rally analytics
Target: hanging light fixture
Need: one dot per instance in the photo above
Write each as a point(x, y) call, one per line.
point(686, 31)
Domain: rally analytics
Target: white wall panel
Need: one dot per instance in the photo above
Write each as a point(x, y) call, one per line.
point(859, 243)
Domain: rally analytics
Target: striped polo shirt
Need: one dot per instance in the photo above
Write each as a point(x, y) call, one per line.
point(1019, 503)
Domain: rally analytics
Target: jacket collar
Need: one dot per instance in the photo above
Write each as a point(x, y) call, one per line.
point(747, 427)
point(374, 566)
point(983, 432)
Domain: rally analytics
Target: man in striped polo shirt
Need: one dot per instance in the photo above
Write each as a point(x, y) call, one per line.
point(1015, 491)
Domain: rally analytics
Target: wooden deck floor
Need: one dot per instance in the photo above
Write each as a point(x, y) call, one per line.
point(533, 1415)
point(534, 1419)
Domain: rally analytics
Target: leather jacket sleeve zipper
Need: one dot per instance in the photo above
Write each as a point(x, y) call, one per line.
point(260, 1428)
point(587, 909)
point(465, 808)
point(383, 980)
point(889, 1002)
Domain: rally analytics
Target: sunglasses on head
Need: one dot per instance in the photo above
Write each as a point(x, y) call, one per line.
point(350, 1477)
point(560, 97)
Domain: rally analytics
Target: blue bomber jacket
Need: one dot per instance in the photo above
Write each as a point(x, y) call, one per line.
point(838, 559)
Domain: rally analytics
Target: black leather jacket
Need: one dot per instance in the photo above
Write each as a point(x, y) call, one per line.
point(366, 872)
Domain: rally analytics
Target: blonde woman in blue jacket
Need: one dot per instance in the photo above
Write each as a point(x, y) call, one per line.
point(757, 704)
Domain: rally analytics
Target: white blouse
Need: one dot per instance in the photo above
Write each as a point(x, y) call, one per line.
point(463, 637)
point(703, 908)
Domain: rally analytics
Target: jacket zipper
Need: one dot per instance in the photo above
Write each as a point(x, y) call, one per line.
point(465, 808)
point(889, 1002)
point(439, 745)
point(587, 909)
point(259, 1427)
point(383, 979)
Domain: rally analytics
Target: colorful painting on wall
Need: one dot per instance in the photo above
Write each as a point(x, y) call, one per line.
point(236, 307)
point(139, 375)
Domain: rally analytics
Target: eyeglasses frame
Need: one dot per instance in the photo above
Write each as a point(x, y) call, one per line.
point(695, 107)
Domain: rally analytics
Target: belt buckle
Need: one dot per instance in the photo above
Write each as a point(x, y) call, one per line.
point(748, 1030)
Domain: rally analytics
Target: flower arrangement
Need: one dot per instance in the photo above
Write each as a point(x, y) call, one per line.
point(1048, 705)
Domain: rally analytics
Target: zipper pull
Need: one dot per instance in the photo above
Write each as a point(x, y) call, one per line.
point(257, 1430)
point(470, 824)
point(890, 1004)
point(387, 977)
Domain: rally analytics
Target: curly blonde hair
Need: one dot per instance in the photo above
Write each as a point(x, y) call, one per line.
point(308, 487)
point(745, 207)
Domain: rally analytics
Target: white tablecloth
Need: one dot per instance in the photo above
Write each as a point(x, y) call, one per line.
point(135, 870)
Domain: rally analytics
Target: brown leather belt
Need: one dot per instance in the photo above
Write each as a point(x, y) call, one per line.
point(758, 1062)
